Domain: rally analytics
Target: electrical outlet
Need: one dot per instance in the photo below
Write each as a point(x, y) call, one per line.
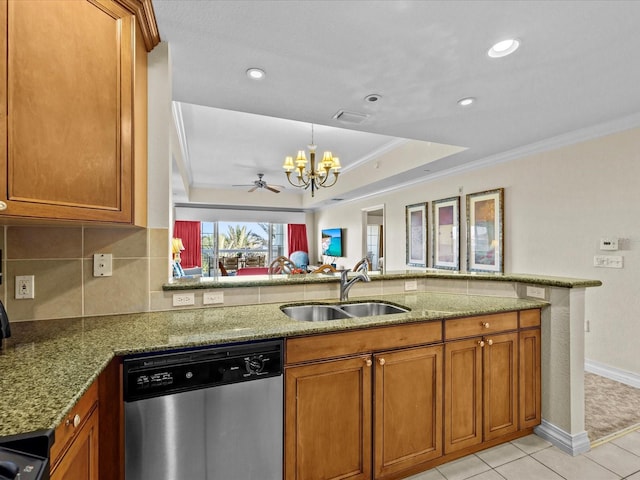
point(209, 298)
point(25, 287)
point(410, 285)
point(183, 299)
point(535, 292)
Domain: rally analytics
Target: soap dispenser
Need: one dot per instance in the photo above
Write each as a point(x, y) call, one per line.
point(5, 328)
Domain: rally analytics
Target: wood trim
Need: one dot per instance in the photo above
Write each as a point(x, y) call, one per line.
point(146, 19)
point(111, 414)
point(355, 342)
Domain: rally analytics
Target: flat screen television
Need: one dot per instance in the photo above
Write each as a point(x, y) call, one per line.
point(332, 242)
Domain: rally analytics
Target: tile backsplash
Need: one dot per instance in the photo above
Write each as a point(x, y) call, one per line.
point(61, 261)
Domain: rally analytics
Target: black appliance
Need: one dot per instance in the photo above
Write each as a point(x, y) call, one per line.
point(15, 465)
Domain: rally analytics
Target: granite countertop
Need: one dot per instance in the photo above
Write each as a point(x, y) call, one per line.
point(190, 283)
point(47, 365)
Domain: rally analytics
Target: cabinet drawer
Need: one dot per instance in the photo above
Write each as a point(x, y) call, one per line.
point(332, 345)
point(72, 423)
point(529, 318)
point(481, 325)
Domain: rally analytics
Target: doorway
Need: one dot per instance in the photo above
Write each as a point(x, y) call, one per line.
point(373, 236)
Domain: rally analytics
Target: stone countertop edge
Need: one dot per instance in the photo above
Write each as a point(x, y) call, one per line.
point(47, 365)
point(193, 283)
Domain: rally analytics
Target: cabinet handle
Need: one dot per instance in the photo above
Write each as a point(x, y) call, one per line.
point(75, 421)
point(382, 361)
point(481, 343)
point(3, 205)
point(485, 324)
point(368, 362)
point(490, 342)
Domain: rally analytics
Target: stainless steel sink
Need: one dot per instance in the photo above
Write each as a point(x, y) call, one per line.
point(315, 313)
point(371, 308)
point(323, 312)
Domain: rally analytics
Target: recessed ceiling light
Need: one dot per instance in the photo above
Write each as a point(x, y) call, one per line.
point(374, 97)
point(504, 48)
point(256, 73)
point(465, 102)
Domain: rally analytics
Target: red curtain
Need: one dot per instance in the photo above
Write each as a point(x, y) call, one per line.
point(297, 233)
point(189, 232)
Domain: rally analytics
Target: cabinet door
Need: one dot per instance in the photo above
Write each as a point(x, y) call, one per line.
point(328, 420)
point(408, 408)
point(69, 97)
point(530, 407)
point(500, 359)
point(80, 461)
point(462, 394)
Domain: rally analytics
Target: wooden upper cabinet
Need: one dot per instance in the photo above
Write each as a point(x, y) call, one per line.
point(75, 102)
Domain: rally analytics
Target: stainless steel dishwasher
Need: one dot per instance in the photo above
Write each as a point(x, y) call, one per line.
point(205, 414)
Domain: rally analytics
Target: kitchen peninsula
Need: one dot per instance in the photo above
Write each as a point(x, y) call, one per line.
point(48, 365)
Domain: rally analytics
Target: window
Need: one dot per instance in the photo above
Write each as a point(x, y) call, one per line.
point(238, 244)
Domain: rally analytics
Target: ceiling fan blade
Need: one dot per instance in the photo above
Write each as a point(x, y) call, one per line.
point(272, 189)
point(253, 189)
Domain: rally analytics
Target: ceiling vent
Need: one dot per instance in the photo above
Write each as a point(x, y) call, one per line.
point(350, 117)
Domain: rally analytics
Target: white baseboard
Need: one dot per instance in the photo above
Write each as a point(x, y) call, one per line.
point(607, 371)
point(571, 444)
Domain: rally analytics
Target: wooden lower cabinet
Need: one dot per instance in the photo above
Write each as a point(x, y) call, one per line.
point(481, 390)
point(408, 409)
point(530, 378)
point(80, 462)
point(74, 453)
point(328, 420)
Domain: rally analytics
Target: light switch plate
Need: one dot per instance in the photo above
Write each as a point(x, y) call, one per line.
point(608, 261)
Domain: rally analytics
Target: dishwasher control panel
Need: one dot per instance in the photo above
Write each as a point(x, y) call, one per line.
point(172, 372)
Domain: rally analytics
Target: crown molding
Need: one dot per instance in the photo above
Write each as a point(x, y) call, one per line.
point(146, 17)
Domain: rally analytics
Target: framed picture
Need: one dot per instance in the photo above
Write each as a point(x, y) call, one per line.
point(416, 220)
point(445, 236)
point(485, 227)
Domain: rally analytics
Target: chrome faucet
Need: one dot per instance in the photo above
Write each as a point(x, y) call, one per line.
point(361, 275)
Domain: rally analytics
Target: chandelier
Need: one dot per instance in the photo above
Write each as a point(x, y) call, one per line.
point(312, 177)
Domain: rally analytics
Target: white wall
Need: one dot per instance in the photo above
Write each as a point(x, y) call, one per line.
point(558, 204)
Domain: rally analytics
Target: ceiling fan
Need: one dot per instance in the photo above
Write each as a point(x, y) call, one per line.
point(260, 183)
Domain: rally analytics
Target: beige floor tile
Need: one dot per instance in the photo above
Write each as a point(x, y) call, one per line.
point(579, 467)
point(630, 442)
point(615, 458)
point(531, 444)
point(501, 454)
point(526, 468)
point(489, 475)
point(635, 476)
point(428, 475)
point(464, 468)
